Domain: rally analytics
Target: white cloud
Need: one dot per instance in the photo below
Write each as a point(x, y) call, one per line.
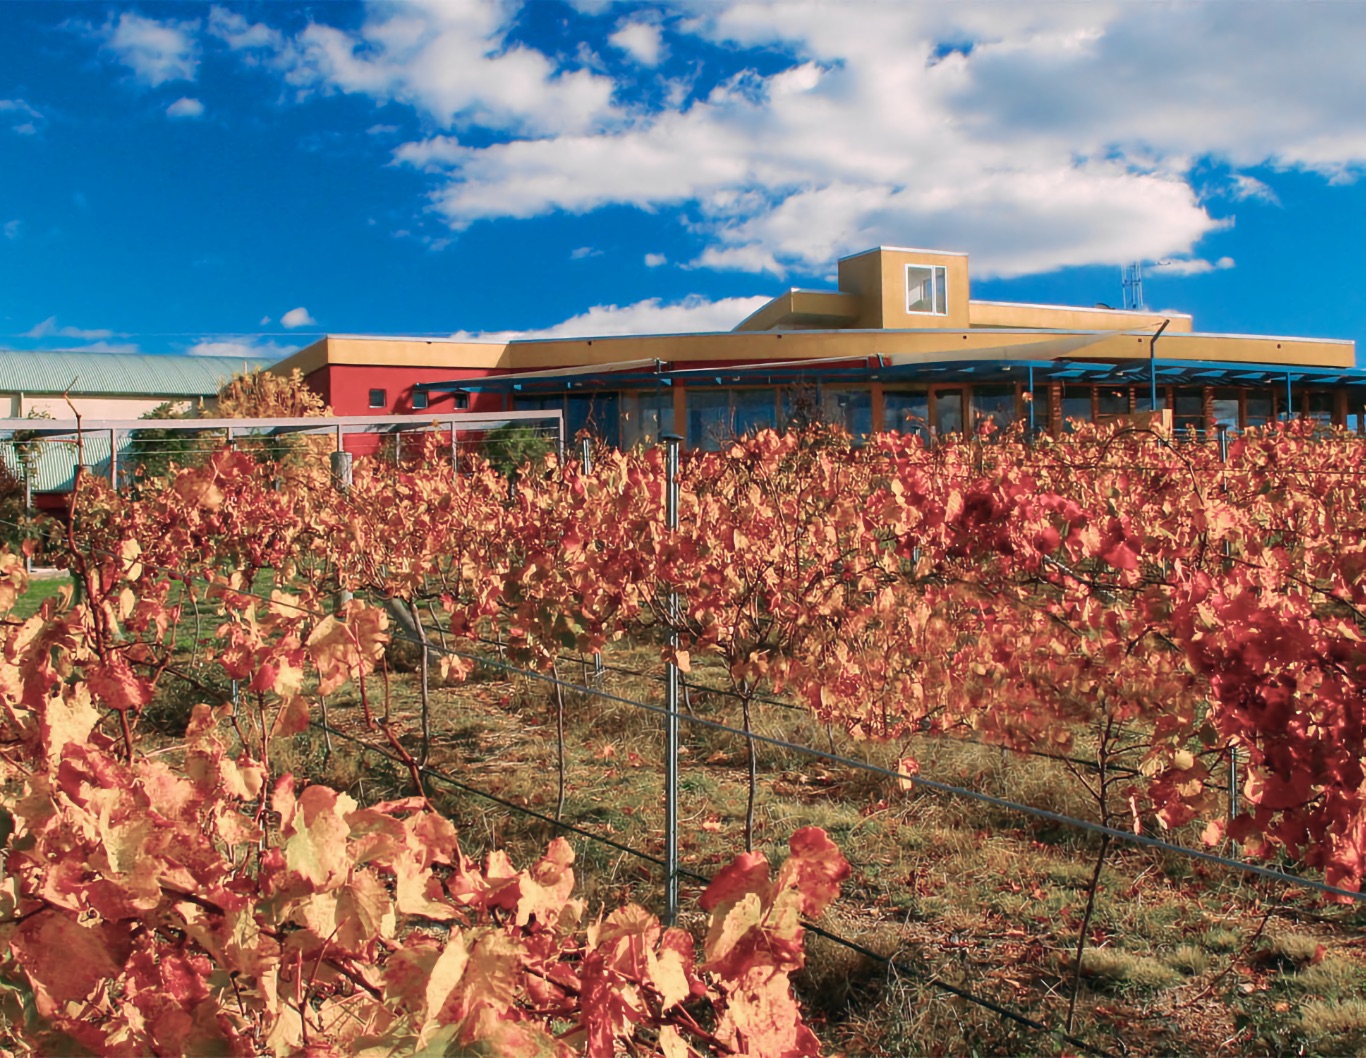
point(49, 329)
point(790, 171)
point(582, 252)
point(1245, 188)
point(643, 41)
point(240, 35)
point(1189, 266)
point(155, 51)
point(451, 62)
point(13, 228)
point(297, 318)
point(1033, 136)
point(185, 107)
point(654, 260)
point(238, 347)
point(22, 118)
point(652, 316)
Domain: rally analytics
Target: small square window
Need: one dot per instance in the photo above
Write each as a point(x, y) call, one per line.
point(927, 289)
point(378, 398)
point(462, 400)
point(421, 399)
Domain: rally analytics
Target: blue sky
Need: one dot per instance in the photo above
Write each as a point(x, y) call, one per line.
point(239, 178)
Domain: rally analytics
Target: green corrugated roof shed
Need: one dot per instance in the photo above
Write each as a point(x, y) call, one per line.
point(119, 374)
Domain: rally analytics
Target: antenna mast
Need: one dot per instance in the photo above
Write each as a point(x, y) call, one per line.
point(1131, 279)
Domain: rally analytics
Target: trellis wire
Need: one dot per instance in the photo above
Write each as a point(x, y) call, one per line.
point(915, 780)
point(833, 758)
point(846, 761)
point(889, 961)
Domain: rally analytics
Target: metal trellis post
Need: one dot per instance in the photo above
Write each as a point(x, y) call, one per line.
point(671, 442)
point(587, 453)
point(1222, 430)
point(341, 480)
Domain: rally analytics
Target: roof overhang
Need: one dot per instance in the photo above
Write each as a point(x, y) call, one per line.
point(628, 375)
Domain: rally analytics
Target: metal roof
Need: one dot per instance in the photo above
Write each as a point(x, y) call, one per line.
point(120, 374)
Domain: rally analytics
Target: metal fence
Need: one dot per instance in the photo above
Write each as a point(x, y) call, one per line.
point(44, 453)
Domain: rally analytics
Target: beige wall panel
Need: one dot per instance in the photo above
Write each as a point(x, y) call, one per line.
point(893, 270)
point(91, 407)
point(1062, 317)
point(931, 345)
point(862, 276)
point(797, 345)
point(394, 352)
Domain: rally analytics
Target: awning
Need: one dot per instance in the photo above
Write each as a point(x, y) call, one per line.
point(987, 366)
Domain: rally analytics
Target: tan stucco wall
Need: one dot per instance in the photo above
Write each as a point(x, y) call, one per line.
point(798, 309)
point(1064, 317)
point(742, 346)
point(394, 352)
point(931, 345)
point(878, 277)
point(88, 407)
point(862, 277)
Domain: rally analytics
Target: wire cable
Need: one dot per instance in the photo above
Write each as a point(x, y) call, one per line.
point(888, 961)
point(1005, 804)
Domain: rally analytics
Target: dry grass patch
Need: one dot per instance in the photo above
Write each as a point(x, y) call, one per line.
point(1189, 959)
point(1330, 978)
point(1125, 970)
point(1290, 951)
point(1335, 1027)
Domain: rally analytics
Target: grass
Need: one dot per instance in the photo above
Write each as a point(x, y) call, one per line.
point(1336, 1027)
point(40, 589)
point(1121, 969)
point(958, 892)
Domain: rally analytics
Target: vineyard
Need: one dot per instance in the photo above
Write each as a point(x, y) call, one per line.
point(988, 747)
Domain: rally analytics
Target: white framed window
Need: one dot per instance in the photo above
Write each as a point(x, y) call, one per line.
point(927, 289)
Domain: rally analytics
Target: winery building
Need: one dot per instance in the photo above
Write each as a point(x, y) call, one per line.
point(898, 345)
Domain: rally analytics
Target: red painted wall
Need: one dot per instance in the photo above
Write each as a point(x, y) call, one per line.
point(346, 387)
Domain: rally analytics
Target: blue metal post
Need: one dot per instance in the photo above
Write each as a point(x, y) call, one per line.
point(672, 442)
point(1152, 366)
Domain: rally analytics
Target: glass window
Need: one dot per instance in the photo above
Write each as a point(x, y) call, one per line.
point(754, 410)
point(1189, 412)
point(594, 412)
point(717, 415)
point(851, 409)
point(644, 416)
point(708, 418)
point(378, 398)
point(1076, 406)
point(927, 289)
point(906, 411)
point(1321, 407)
point(1226, 408)
point(1039, 409)
point(1261, 408)
point(1111, 403)
point(948, 411)
point(538, 402)
point(994, 403)
point(421, 399)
